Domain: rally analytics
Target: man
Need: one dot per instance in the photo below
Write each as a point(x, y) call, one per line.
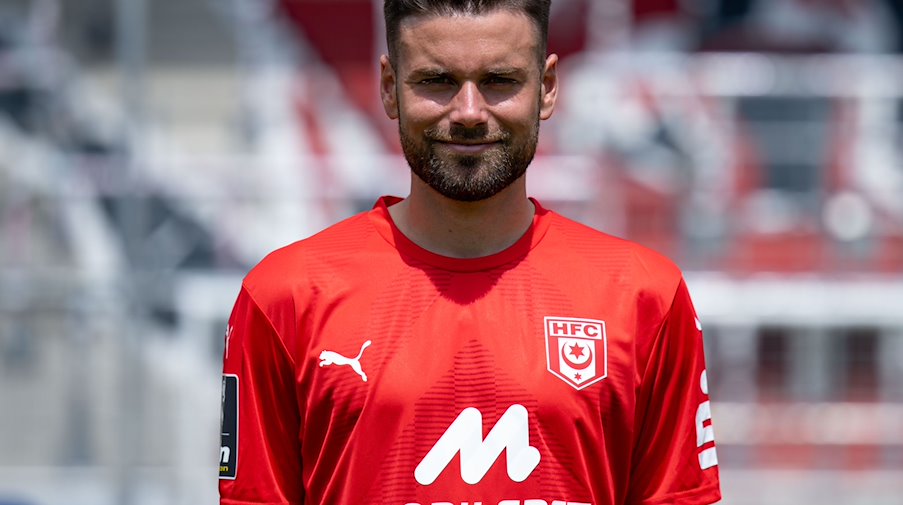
point(465, 345)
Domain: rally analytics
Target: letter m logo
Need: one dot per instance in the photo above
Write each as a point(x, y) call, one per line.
point(465, 435)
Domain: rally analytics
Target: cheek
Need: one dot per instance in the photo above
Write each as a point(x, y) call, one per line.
point(515, 113)
point(520, 109)
point(418, 109)
point(415, 121)
point(520, 115)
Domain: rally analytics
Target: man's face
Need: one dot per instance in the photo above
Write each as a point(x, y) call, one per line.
point(468, 93)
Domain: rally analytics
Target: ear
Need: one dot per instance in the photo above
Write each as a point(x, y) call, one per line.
point(388, 90)
point(549, 91)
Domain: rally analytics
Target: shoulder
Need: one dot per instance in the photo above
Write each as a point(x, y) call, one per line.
point(596, 246)
point(310, 260)
point(616, 259)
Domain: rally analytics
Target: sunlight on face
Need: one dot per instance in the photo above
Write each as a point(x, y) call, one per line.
point(470, 95)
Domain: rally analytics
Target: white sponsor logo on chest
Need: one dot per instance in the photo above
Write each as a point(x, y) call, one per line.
point(328, 358)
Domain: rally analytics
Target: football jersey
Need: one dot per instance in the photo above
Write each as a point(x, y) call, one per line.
point(567, 369)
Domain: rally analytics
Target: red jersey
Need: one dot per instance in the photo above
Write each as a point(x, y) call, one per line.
point(566, 370)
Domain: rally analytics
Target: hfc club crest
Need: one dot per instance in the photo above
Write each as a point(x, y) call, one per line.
point(577, 350)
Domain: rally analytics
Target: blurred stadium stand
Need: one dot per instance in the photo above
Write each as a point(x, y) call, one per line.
point(152, 151)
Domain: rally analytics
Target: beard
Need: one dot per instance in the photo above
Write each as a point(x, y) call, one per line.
point(469, 177)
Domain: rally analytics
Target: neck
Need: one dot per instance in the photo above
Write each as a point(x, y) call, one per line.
point(463, 229)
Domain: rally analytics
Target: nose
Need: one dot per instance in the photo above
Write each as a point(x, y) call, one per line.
point(469, 106)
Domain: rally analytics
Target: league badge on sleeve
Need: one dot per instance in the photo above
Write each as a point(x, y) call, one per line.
point(576, 350)
point(228, 451)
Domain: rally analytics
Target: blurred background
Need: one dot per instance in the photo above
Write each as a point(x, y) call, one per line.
point(151, 152)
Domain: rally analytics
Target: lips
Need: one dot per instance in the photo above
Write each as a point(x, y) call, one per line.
point(465, 141)
point(468, 147)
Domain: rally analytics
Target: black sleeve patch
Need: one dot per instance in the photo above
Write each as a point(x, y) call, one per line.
point(228, 451)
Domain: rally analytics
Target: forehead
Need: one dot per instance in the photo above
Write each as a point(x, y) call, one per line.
point(466, 43)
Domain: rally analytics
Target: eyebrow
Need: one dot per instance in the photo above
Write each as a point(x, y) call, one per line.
point(421, 73)
point(428, 72)
point(504, 72)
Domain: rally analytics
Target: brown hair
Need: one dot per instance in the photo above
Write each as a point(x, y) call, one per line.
point(395, 11)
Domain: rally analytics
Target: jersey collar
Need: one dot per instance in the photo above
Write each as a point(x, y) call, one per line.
point(382, 220)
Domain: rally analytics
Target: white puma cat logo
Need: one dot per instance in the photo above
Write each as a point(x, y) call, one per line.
point(334, 358)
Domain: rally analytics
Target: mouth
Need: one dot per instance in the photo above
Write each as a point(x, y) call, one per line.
point(468, 147)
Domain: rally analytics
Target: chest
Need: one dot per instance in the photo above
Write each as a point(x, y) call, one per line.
point(400, 381)
point(472, 341)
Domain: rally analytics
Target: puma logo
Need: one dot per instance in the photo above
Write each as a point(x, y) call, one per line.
point(333, 358)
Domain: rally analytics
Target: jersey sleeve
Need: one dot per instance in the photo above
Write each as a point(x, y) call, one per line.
point(674, 459)
point(260, 454)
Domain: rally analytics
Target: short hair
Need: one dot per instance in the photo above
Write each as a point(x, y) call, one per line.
point(396, 11)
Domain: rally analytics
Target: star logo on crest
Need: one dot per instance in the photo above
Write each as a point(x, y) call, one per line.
point(576, 351)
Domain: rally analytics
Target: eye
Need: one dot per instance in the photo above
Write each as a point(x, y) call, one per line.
point(435, 81)
point(499, 81)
